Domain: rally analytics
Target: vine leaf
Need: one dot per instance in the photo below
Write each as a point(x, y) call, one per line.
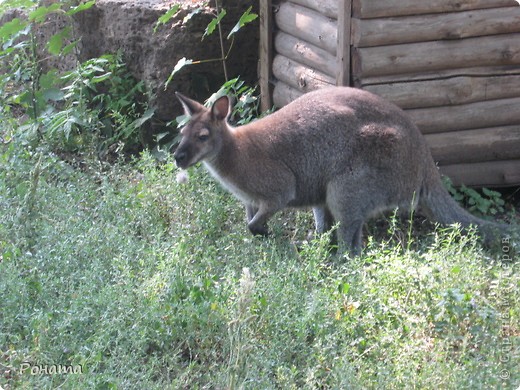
point(247, 17)
point(7, 30)
point(180, 64)
point(81, 7)
point(210, 28)
point(39, 14)
point(167, 16)
point(55, 43)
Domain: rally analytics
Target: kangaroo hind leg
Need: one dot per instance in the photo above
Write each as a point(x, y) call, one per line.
point(349, 209)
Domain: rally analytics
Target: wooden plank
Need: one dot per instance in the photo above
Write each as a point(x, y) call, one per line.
point(451, 91)
point(438, 55)
point(305, 53)
point(409, 29)
point(343, 50)
point(472, 146)
point(491, 113)
point(265, 56)
point(298, 76)
point(485, 174)
point(283, 94)
point(483, 71)
point(329, 8)
point(308, 25)
point(380, 9)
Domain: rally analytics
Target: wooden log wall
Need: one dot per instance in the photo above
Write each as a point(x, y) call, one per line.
point(453, 66)
point(306, 48)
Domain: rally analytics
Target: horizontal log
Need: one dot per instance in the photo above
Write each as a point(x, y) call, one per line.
point(379, 9)
point(283, 94)
point(472, 146)
point(329, 8)
point(485, 174)
point(308, 25)
point(484, 71)
point(451, 91)
point(438, 55)
point(491, 113)
point(305, 53)
point(390, 31)
point(298, 76)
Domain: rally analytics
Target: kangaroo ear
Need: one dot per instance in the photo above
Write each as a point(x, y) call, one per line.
point(190, 106)
point(220, 109)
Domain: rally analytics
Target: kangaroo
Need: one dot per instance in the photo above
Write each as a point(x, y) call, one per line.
point(345, 152)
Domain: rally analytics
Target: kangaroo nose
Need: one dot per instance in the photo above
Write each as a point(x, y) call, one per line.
point(180, 157)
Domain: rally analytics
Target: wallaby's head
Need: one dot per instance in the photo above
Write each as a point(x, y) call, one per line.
point(201, 138)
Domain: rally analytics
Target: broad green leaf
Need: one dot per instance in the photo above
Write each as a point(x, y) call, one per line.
point(180, 64)
point(68, 48)
point(232, 82)
point(54, 94)
point(10, 28)
point(167, 16)
point(148, 114)
point(210, 28)
point(55, 43)
point(39, 14)
point(247, 17)
point(81, 7)
point(50, 81)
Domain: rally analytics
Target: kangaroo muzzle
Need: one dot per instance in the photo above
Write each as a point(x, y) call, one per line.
point(181, 158)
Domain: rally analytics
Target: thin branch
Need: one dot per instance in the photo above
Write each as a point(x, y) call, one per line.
point(224, 56)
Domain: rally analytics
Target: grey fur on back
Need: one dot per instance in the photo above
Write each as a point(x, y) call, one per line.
point(345, 152)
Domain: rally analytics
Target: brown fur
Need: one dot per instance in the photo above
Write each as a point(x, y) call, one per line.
point(345, 152)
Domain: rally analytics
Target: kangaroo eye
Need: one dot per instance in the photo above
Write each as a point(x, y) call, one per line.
point(203, 135)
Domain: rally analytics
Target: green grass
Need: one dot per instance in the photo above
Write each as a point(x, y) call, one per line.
point(150, 284)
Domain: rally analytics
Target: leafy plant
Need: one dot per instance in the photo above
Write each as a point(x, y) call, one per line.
point(457, 312)
point(19, 53)
point(122, 105)
point(98, 101)
point(488, 203)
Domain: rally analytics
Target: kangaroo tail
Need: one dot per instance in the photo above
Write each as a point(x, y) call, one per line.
point(438, 204)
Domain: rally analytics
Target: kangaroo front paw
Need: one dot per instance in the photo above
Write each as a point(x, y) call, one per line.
point(258, 230)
